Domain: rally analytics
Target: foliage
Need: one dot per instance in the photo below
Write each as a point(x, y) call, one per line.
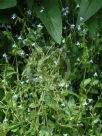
point(47, 89)
point(52, 18)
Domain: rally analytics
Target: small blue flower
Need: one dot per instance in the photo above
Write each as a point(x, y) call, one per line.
point(78, 27)
point(14, 46)
point(33, 44)
point(14, 97)
point(39, 26)
point(78, 59)
point(72, 26)
point(81, 19)
point(4, 55)
point(95, 74)
point(29, 12)
point(91, 61)
point(78, 5)
point(63, 41)
point(78, 43)
point(42, 10)
point(84, 31)
point(20, 38)
point(65, 134)
point(14, 16)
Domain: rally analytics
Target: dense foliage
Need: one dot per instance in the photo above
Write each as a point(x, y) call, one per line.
point(50, 86)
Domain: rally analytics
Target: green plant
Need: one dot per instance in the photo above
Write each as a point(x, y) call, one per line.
point(52, 18)
point(47, 89)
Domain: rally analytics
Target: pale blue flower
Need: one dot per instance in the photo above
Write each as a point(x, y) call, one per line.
point(95, 74)
point(84, 31)
point(91, 61)
point(29, 12)
point(42, 10)
point(33, 44)
point(14, 46)
point(14, 16)
point(72, 26)
point(81, 19)
point(19, 38)
point(4, 55)
point(39, 26)
point(78, 5)
point(65, 134)
point(78, 43)
point(14, 97)
point(78, 27)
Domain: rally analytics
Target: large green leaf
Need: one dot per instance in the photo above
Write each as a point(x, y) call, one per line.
point(88, 8)
point(92, 24)
point(4, 4)
point(50, 15)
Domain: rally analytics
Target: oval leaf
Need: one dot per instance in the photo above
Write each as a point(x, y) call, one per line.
point(50, 15)
point(4, 4)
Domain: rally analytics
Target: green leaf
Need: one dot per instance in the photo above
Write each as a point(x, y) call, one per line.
point(4, 4)
point(87, 82)
point(50, 15)
point(92, 24)
point(98, 105)
point(88, 8)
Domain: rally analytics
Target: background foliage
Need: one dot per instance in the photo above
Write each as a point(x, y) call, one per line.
point(50, 86)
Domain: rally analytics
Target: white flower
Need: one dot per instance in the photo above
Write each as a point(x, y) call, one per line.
point(22, 82)
point(65, 11)
point(98, 35)
point(78, 59)
point(72, 26)
point(63, 41)
point(78, 27)
point(22, 53)
point(91, 61)
point(42, 9)
point(28, 110)
point(26, 96)
point(64, 27)
point(14, 46)
point(65, 134)
point(29, 12)
point(19, 106)
point(3, 81)
point(5, 119)
point(33, 44)
point(81, 19)
point(34, 32)
point(90, 101)
point(4, 55)
point(95, 74)
point(78, 6)
point(39, 26)
point(14, 16)
point(63, 105)
point(78, 43)
point(84, 31)
point(27, 81)
point(19, 38)
point(61, 84)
